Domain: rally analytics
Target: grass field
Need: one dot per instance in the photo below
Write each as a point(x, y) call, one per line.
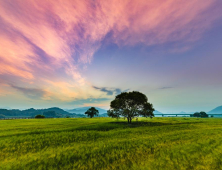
point(105, 143)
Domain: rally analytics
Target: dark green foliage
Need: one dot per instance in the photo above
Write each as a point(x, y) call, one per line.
point(13, 112)
point(130, 105)
point(2, 116)
point(39, 116)
point(91, 112)
point(200, 114)
point(50, 114)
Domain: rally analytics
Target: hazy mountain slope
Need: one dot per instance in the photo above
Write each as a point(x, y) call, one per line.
point(217, 110)
point(157, 112)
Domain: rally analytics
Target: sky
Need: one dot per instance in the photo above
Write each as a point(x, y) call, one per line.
point(74, 53)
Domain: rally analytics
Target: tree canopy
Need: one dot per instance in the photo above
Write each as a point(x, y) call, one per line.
point(200, 114)
point(91, 112)
point(130, 105)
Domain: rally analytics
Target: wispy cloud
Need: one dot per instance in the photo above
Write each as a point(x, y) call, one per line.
point(53, 40)
point(89, 100)
point(31, 93)
point(108, 91)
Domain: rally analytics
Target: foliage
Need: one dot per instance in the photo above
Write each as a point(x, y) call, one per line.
point(200, 114)
point(91, 112)
point(104, 143)
point(39, 116)
point(50, 114)
point(2, 116)
point(130, 105)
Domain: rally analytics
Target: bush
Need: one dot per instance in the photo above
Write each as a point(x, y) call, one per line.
point(200, 114)
point(39, 116)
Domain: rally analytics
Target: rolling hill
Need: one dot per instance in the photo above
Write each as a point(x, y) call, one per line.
point(33, 112)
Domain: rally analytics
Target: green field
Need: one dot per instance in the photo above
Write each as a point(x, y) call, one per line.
point(105, 143)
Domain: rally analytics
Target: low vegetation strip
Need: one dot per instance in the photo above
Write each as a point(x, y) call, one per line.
point(105, 143)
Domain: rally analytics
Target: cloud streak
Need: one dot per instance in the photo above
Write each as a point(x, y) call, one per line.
point(31, 93)
point(166, 87)
point(108, 91)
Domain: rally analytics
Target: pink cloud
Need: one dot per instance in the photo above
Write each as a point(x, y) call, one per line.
point(67, 33)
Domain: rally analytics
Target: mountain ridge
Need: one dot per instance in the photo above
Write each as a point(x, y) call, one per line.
point(217, 110)
point(31, 112)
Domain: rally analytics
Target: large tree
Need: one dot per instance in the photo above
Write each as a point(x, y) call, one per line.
point(130, 105)
point(91, 112)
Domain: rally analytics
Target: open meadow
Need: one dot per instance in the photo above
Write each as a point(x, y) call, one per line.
point(105, 143)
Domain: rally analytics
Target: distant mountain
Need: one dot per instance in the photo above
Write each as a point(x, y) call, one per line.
point(56, 109)
point(157, 112)
point(51, 112)
point(217, 110)
point(82, 110)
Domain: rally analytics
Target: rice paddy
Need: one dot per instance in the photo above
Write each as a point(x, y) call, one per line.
point(105, 143)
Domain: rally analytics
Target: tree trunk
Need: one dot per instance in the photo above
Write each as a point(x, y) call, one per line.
point(129, 119)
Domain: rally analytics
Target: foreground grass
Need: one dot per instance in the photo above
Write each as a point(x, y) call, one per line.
point(105, 143)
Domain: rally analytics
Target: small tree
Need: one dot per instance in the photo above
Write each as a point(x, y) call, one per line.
point(203, 114)
point(39, 116)
point(130, 105)
point(91, 112)
point(200, 114)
